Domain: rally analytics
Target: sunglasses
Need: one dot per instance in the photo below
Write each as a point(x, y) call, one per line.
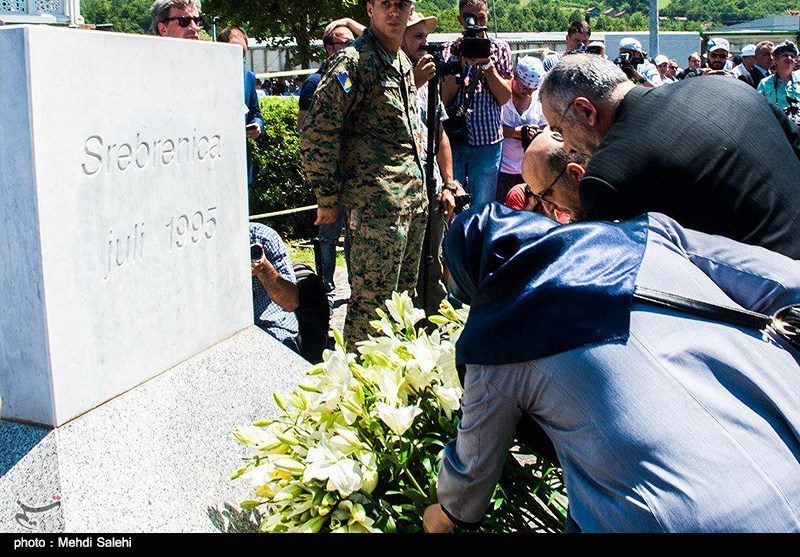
point(718, 54)
point(185, 20)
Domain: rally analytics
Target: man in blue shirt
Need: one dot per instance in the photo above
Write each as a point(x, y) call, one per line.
point(254, 122)
point(275, 294)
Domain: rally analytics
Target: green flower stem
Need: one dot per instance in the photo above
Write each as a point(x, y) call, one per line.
point(414, 481)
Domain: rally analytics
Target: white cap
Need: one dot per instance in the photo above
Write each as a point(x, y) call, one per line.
point(530, 71)
point(749, 50)
point(661, 59)
point(716, 44)
point(631, 44)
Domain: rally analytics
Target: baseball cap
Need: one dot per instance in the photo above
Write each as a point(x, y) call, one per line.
point(416, 17)
point(716, 44)
point(530, 71)
point(749, 50)
point(787, 46)
point(661, 59)
point(630, 43)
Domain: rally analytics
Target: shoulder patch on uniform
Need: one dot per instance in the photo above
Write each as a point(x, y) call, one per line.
point(346, 83)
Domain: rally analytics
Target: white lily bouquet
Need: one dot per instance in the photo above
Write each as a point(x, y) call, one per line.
point(358, 444)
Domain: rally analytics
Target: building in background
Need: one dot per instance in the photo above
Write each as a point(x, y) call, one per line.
point(51, 12)
point(775, 28)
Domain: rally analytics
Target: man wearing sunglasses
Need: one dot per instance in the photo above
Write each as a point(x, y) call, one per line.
point(552, 176)
point(178, 19)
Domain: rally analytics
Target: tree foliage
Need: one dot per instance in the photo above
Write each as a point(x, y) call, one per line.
point(125, 16)
point(302, 20)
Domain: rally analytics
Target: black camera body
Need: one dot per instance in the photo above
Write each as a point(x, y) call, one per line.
point(463, 202)
point(473, 46)
point(793, 110)
point(627, 62)
point(443, 67)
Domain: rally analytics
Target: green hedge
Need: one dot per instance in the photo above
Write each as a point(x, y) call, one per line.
point(277, 172)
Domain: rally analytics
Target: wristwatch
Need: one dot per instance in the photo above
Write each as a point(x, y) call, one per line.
point(488, 65)
point(452, 186)
point(642, 80)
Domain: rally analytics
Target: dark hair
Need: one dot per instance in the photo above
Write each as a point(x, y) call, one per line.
point(225, 35)
point(579, 27)
point(327, 38)
point(468, 3)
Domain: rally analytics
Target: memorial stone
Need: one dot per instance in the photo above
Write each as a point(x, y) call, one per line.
point(123, 213)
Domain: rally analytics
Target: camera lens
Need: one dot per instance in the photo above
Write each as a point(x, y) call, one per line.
point(256, 252)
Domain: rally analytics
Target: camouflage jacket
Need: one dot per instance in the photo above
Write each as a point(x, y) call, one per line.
point(360, 141)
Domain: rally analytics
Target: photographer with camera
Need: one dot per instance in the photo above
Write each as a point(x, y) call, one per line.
point(415, 45)
point(783, 87)
point(275, 293)
point(633, 62)
point(475, 99)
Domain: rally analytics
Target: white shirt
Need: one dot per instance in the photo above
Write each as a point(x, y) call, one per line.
point(512, 148)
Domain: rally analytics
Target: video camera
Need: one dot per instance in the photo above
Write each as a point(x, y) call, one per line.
point(627, 62)
point(472, 46)
point(443, 67)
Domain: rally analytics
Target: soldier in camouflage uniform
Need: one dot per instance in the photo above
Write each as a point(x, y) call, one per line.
point(361, 145)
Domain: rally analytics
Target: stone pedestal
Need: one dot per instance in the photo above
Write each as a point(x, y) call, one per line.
point(156, 459)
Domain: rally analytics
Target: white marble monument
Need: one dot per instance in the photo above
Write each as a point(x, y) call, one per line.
point(125, 288)
point(123, 213)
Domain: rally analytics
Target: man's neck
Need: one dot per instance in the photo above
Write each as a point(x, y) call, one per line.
point(391, 44)
point(785, 76)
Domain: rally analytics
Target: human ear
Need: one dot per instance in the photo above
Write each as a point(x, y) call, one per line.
point(585, 107)
point(576, 171)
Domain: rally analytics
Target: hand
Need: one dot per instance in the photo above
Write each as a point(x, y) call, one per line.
point(434, 521)
point(448, 203)
point(253, 132)
point(424, 70)
point(261, 267)
point(327, 216)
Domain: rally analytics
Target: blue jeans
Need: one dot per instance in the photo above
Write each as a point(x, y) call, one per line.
point(327, 238)
point(477, 168)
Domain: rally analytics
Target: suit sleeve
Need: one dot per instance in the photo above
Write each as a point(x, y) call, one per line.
point(754, 277)
point(321, 136)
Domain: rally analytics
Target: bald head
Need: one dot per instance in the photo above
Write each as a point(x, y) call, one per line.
point(553, 174)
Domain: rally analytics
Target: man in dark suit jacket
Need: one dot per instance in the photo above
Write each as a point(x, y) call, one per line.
point(764, 60)
point(711, 152)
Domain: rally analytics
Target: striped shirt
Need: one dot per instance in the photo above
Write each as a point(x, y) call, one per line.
point(484, 118)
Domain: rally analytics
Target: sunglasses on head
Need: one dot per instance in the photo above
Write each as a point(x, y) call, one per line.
point(185, 20)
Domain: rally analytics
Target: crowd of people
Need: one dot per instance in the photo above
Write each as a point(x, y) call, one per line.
point(629, 257)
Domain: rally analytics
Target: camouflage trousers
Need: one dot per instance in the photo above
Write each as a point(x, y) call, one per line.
point(385, 253)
